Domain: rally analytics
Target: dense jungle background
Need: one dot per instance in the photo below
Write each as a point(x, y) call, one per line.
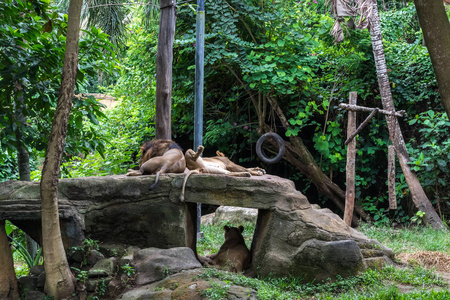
point(258, 55)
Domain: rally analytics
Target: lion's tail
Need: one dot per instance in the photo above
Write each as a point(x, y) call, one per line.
point(183, 188)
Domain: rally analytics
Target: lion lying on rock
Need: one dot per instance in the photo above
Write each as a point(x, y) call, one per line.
point(219, 164)
point(159, 157)
point(233, 255)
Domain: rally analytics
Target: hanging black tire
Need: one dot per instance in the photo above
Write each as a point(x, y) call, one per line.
point(260, 151)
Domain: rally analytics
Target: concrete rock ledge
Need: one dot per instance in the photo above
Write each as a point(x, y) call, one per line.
point(291, 237)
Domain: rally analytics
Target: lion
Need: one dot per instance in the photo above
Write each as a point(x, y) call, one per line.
point(219, 164)
point(233, 255)
point(160, 157)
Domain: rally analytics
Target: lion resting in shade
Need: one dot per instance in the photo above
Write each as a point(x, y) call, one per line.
point(159, 157)
point(233, 255)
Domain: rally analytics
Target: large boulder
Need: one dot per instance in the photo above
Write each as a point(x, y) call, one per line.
point(189, 284)
point(153, 264)
point(234, 215)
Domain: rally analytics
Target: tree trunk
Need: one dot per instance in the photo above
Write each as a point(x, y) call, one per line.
point(8, 282)
point(164, 60)
point(436, 33)
point(418, 195)
point(23, 157)
point(59, 279)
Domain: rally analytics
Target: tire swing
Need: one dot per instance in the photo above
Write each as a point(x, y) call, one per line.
point(262, 155)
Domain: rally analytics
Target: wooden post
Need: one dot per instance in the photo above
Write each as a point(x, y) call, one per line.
point(350, 169)
point(164, 60)
point(391, 177)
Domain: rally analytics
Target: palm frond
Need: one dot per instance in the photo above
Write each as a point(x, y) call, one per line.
point(363, 9)
point(109, 15)
point(151, 13)
point(61, 5)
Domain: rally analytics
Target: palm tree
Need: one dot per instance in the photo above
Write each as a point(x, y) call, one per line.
point(369, 18)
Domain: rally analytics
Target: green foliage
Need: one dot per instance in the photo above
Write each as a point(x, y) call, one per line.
point(82, 275)
point(282, 50)
point(111, 18)
point(418, 217)
point(285, 52)
point(32, 39)
point(401, 24)
point(24, 260)
point(9, 168)
point(124, 129)
point(28, 258)
point(101, 289)
point(85, 249)
point(128, 270)
point(216, 291)
point(430, 154)
point(379, 216)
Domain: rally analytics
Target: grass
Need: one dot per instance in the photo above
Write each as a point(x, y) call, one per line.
point(373, 284)
point(413, 239)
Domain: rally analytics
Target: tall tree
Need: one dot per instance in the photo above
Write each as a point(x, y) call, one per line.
point(59, 279)
point(164, 59)
point(8, 281)
point(418, 195)
point(436, 33)
point(369, 18)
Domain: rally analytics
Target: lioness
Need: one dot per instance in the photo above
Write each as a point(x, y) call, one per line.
point(219, 164)
point(233, 255)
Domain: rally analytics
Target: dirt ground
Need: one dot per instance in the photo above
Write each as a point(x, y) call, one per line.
point(438, 261)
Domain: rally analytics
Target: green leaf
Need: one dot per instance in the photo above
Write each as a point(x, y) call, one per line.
point(322, 146)
point(79, 122)
point(9, 228)
point(412, 122)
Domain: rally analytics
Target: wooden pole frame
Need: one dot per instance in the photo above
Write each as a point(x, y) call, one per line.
point(352, 108)
point(350, 168)
point(391, 178)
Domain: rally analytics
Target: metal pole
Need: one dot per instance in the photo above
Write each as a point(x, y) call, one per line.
point(198, 106)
